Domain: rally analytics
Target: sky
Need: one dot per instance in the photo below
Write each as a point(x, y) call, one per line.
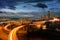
point(27, 6)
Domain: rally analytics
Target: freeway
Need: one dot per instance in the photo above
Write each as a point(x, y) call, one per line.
point(5, 28)
point(3, 35)
point(12, 34)
point(8, 24)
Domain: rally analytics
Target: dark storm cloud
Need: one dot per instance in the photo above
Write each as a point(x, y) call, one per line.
point(11, 3)
point(35, 0)
point(58, 0)
point(40, 5)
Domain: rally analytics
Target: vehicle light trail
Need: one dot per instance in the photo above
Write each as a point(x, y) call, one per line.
point(5, 28)
point(12, 34)
point(44, 27)
point(55, 19)
point(39, 24)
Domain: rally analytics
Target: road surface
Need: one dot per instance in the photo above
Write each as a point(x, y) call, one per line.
point(12, 34)
point(6, 27)
point(3, 35)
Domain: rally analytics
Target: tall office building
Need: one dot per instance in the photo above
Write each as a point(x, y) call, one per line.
point(48, 15)
point(52, 13)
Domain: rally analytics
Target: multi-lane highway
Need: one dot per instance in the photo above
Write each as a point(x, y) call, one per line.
point(12, 34)
point(3, 35)
point(6, 27)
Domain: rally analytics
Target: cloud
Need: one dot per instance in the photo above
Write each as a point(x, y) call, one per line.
point(8, 10)
point(14, 13)
point(40, 5)
point(11, 3)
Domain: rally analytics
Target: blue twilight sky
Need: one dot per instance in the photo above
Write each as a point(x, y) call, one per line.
point(17, 6)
